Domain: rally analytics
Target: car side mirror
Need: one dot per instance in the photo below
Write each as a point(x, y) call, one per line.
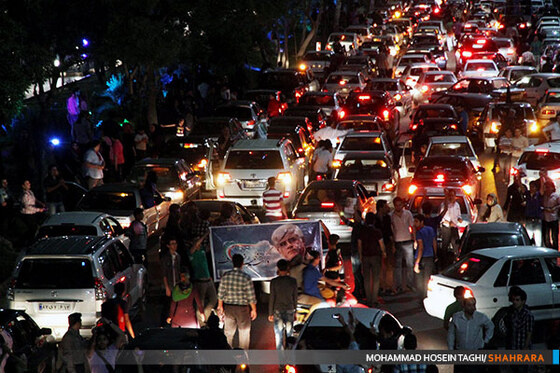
point(45, 331)
point(412, 169)
point(477, 201)
point(481, 169)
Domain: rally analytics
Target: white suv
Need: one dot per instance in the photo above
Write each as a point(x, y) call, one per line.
point(62, 275)
point(536, 157)
point(248, 165)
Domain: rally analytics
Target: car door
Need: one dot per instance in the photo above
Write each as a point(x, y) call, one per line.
point(367, 202)
point(528, 274)
point(118, 230)
point(533, 89)
point(127, 272)
point(553, 267)
point(73, 195)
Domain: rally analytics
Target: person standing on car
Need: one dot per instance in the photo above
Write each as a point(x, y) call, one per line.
point(402, 223)
point(425, 255)
point(237, 303)
point(116, 309)
point(282, 304)
point(450, 212)
point(516, 201)
point(371, 250)
point(273, 202)
point(551, 204)
point(322, 159)
point(138, 234)
point(72, 348)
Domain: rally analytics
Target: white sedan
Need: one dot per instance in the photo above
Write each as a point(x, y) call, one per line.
point(453, 145)
point(487, 274)
point(479, 69)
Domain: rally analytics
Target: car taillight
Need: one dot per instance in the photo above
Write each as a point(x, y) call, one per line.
point(300, 150)
point(431, 284)
point(412, 188)
point(342, 82)
point(221, 194)
point(327, 205)
point(466, 54)
point(386, 114)
point(357, 89)
point(513, 171)
point(223, 178)
point(388, 187)
point(341, 114)
point(440, 178)
point(286, 194)
point(437, 10)
point(510, 51)
point(290, 369)
point(201, 165)
point(336, 163)
point(424, 89)
point(461, 230)
point(10, 294)
point(467, 189)
point(284, 177)
point(100, 290)
point(397, 97)
point(251, 124)
point(548, 112)
point(495, 127)
point(414, 127)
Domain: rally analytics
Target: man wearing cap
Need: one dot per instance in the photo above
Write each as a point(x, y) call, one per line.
point(237, 303)
point(73, 346)
point(288, 241)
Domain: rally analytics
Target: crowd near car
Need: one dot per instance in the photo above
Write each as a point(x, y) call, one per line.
point(402, 104)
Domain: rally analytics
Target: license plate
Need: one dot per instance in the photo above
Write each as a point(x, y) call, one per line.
point(55, 307)
point(253, 184)
point(331, 221)
point(434, 190)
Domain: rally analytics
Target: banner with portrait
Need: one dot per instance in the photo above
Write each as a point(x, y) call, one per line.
point(262, 245)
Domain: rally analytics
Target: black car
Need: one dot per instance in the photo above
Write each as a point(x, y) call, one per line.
point(290, 122)
point(29, 341)
point(432, 111)
point(215, 207)
point(292, 83)
point(376, 103)
point(316, 115)
point(497, 87)
point(470, 101)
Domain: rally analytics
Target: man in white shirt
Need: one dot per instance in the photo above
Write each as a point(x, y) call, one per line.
point(94, 165)
point(552, 130)
point(330, 133)
point(450, 211)
point(322, 159)
point(518, 144)
point(469, 329)
point(402, 223)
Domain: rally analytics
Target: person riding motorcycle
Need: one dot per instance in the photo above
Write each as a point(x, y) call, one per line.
point(313, 292)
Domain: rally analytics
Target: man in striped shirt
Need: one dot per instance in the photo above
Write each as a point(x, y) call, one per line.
point(273, 202)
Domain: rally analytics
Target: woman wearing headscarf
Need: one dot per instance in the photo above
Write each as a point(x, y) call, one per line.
point(185, 302)
point(493, 212)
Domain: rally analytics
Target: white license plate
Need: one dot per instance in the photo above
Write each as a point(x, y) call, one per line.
point(55, 307)
point(331, 221)
point(434, 190)
point(253, 184)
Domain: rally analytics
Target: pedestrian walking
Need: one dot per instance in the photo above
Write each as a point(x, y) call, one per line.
point(55, 188)
point(469, 329)
point(273, 202)
point(505, 154)
point(518, 145)
point(518, 323)
point(383, 223)
point(450, 213)
point(102, 351)
point(94, 165)
point(402, 223)
point(551, 204)
point(185, 304)
point(72, 347)
point(116, 156)
point(533, 212)
point(237, 303)
point(516, 201)
point(116, 309)
point(371, 250)
point(453, 308)
point(171, 267)
point(425, 255)
point(282, 303)
point(138, 234)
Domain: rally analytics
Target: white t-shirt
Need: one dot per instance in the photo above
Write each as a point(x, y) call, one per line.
point(97, 365)
point(554, 129)
point(141, 145)
point(96, 159)
point(323, 159)
point(329, 133)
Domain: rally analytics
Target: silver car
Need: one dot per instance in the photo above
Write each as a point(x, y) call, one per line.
point(549, 107)
point(536, 85)
point(345, 82)
point(432, 81)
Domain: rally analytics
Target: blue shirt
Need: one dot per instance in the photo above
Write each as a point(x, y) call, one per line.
point(427, 235)
point(533, 208)
point(311, 277)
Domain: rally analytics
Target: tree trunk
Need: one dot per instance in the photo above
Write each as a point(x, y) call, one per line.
point(152, 91)
point(336, 23)
point(311, 35)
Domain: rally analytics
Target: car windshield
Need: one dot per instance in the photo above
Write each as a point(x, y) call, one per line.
point(107, 201)
point(342, 79)
point(489, 240)
point(439, 78)
point(373, 168)
point(166, 176)
point(366, 125)
point(479, 66)
point(554, 82)
point(410, 60)
point(254, 160)
point(429, 169)
point(384, 86)
point(518, 74)
point(329, 338)
point(501, 112)
point(436, 202)
point(451, 148)
point(241, 113)
point(469, 269)
point(362, 143)
point(321, 100)
point(324, 198)
point(66, 230)
point(553, 97)
point(55, 274)
point(503, 43)
point(317, 57)
point(537, 160)
point(364, 104)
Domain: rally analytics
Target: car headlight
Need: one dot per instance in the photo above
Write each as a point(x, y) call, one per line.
point(285, 177)
point(495, 127)
point(533, 126)
point(223, 178)
point(175, 195)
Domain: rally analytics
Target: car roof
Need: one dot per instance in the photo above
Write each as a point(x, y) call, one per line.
point(520, 67)
point(158, 162)
point(74, 217)
point(385, 80)
point(511, 252)
point(344, 72)
point(7, 315)
point(497, 227)
point(554, 146)
point(434, 106)
point(323, 317)
point(544, 75)
point(423, 191)
point(329, 184)
point(116, 187)
point(66, 245)
point(435, 72)
point(480, 61)
point(257, 144)
point(448, 139)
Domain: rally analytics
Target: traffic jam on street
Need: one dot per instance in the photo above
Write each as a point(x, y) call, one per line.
point(393, 188)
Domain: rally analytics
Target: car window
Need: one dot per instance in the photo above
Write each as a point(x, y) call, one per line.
point(166, 175)
point(342, 79)
point(115, 226)
point(500, 83)
point(469, 269)
point(322, 196)
point(479, 66)
point(461, 85)
point(503, 276)
point(106, 201)
point(254, 160)
point(66, 230)
point(290, 153)
point(439, 78)
point(526, 272)
point(107, 265)
point(537, 160)
point(518, 74)
point(55, 274)
point(106, 227)
point(436, 202)
point(553, 268)
point(123, 256)
point(535, 82)
point(554, 82)
point(352, 169)
point(22, 332)
point(384, 86)
point(362, 143)
point(459, 148)
point(485, 240)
